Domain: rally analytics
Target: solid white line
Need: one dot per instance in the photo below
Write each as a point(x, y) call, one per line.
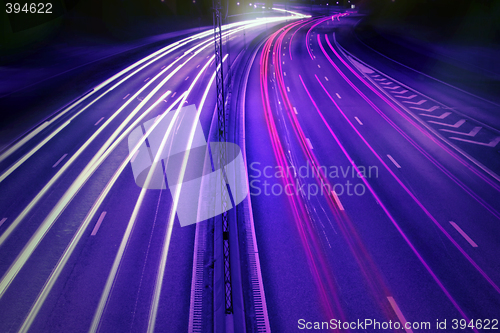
point(394, 161)
point(338, 95)
point(126, 96)
point(99, 121)
point(309, 143)
point(359, 121)
point(400, 315)
point(337, 200)
point(60, 160)
point(295, 110)
point(288, 89)
point(326, 78)
point(98, 224)
point(471, 242)
point(2, 221)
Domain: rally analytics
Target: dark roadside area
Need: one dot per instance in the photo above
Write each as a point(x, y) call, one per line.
point(457, 42)
point(46, 62)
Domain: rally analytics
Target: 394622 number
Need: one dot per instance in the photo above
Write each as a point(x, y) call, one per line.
point(31, 8)
point(482, 324)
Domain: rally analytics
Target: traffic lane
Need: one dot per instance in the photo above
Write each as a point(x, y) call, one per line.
point(67, 234)
point(483, 195)
point(289, 286)
point(319, 138)
point(20, 236)
point(470, 105)
point(427, 237)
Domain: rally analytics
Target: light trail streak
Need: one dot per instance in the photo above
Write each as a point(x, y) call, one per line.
point(432, 160)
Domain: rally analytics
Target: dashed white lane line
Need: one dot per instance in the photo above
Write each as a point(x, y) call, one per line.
point(133, 157)
point(146, 80)
point(359, 121)
point(60, 160)
point(284, 73)
point(394, 161)
point(288, 89)
point(326, 78)
point(338, 95)
point(400, 315)
point(471, 242)
point(319, 66)
point(126, 96)
point(337, 200)
point(173, 95)
point(295, 110)
point(187, 77)
point(197, 66)
point(309, 143)
point(99, 121)
point(163, 67)
point(2, 221)
point(283, 62)
point(98, 224)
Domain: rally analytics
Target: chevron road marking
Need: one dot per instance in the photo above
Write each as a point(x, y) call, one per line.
point(416, 103)
point(382, 79)
point(492, 143)
point(435, 107)
point(472, 133)
point(444, 115)
point(385, 83)
point(400, 92)
point(407, 97)
point(395, 87)
point(456, 125)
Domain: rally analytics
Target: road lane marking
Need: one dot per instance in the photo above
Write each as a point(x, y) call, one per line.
point(394, 161)
point(283, 62)
point(288, 89)
point(359, 121)
point(295, 110)
point(455, 125)
point(309, 143)
point(338, 95)
point(98, 224)
point(319, 66)
point(400, 315)
point(407, 97)
point(163, 67)
point(404, 91)
point(471, 242)
point(187, 77)
point(337, 200)
point(126, 96)
point(492, 143)
point(2, 221)
point(435, 107)
point(472, 133)
point(392, 88)
point(326, 78)
point(173, 95)
point(99, 121)
point(416, 103)
point(147, 79)
point(444, 115)
point(284, 73)
point(197, 66)
point(60, 160)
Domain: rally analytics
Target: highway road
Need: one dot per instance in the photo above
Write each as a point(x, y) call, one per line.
point(373, 198)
